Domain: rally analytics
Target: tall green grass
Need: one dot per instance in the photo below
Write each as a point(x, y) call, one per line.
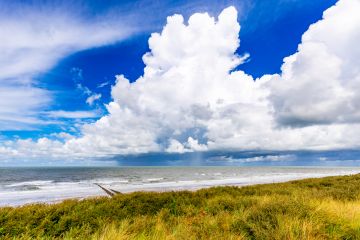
point(326, 208)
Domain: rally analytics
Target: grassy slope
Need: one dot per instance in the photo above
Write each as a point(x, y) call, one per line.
point(327, 208)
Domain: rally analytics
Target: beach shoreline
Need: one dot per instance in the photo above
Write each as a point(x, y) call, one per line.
point(161, 188)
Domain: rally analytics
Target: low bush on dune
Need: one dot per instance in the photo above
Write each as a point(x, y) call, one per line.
point(326, 208)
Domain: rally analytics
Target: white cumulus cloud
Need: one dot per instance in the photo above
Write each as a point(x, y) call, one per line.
point(191, 99)
point(320, 83)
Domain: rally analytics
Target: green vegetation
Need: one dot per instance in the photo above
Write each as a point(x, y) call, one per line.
point(326, 208)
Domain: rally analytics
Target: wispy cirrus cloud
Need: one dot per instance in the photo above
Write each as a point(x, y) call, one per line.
point(33, 38)
point(72, 114)
point(78, 79)
point(19, 105)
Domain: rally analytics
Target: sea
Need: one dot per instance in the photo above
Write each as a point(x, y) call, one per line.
point(19, 186)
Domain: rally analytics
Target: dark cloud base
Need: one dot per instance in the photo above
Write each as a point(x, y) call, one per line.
point(245, 158)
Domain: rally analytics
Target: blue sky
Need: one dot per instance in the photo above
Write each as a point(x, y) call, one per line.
point(65, 70)
point(270, 31)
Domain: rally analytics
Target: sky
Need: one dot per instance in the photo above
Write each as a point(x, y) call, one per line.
point(179, 82)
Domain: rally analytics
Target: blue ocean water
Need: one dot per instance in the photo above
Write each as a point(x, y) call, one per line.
point(20, 186)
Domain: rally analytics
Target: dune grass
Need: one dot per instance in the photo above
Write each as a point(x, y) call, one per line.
point(326, 208)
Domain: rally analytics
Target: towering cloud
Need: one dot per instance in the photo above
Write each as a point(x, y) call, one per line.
point(191, 99)
point(187, 99)
point(320, 84)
